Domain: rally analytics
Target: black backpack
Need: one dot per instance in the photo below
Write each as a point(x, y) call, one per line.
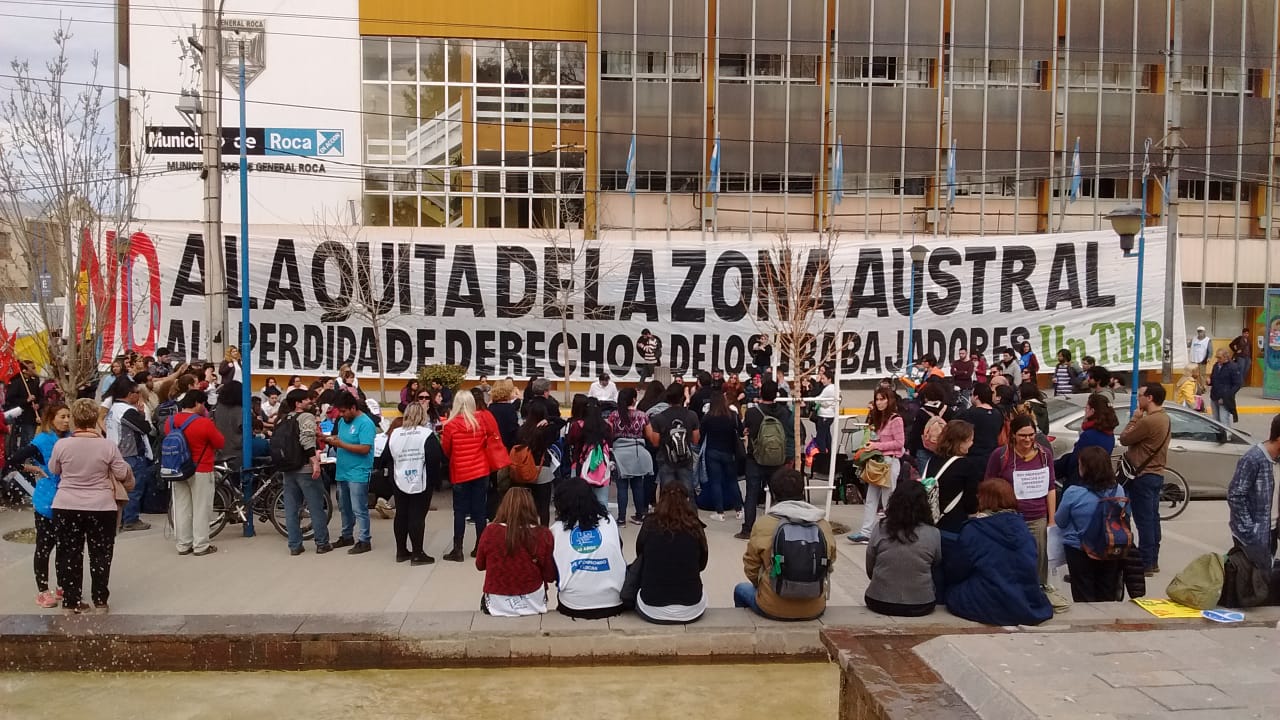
point(677, 444)
point(800, 560)
point(287, 453)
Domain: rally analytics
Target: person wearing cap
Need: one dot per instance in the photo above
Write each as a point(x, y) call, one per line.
point(649, 351)
point(604, 390)
point(1201, 349)
point(163, 366)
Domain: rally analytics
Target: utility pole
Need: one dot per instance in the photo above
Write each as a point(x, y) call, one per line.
point(1173, 148)
point(215, 291)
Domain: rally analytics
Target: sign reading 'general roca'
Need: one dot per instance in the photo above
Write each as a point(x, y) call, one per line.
point(487, 299)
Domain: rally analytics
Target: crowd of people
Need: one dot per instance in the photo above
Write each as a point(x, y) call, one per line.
point(959, 495)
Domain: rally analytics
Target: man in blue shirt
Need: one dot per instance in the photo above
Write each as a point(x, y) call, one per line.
point(354, 443)
point(1251, 497)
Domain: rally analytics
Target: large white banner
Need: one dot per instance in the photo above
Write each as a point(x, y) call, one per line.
point(488, 300)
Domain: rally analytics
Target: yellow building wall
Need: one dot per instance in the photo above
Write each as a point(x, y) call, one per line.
point(496, 19)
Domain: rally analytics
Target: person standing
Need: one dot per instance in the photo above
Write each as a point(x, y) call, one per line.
point(1098, 430)
point(1027, 359)
point(1065, 374)
point(635, 463)
point(956, 474)
point(228, 416)
point(127, 427)
point(463, 440)
point(1224, 382)
point(539, 435)
point(1146, 441)
point(761, 353)
point(84, 508)
point(1027, 465)
point(828, 401)
point(353, 438)
point(1188, 390)
point(55, 424)
point(193, 497)
point(1201, 349)
point(417, 460)
point(1092, 580)
point(1251, 497)
point(771, 445)
point(23, 391)
point(888, 438)
point(676, 433)
point(723, 432)
point(649, 351)
point(986, 420)
point(302, 484)
point(1242, 351)
point(962, 370)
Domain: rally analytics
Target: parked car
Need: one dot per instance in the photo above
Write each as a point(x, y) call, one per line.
point(1201, 451)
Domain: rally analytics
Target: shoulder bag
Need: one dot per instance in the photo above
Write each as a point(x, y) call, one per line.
point(1125, 471)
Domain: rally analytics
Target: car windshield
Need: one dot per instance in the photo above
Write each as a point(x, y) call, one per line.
point(1060, 408)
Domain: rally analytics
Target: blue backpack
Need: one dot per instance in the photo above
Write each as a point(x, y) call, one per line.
point(1110, 533)
point(176, 462)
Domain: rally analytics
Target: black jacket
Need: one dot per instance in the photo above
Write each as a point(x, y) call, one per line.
point(508, 421)
point(671, 573)
point(15, 395)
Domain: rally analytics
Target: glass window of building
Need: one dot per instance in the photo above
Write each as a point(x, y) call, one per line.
point(474, 133)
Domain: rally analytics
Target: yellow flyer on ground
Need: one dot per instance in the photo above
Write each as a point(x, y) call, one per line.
point(1166, 609)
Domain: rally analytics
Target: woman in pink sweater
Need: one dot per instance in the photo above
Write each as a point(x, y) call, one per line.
point(889, 437)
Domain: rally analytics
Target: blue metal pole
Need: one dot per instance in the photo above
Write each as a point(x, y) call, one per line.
point(246, 429)
point(1137, 308)
point(911, 327)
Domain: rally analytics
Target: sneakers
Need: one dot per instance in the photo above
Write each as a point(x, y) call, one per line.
point(295, 552)
point(322, 549)
point(46, 599)
point(360, 548)
point(101, 609)
point(135, 525)
point(859, 539)
point(741, 514)
point(742, 535)
point(421, 559)
point(1059, 601)
point(718, 517)
point(344, 542)
point(207, 551)
point(185, 552)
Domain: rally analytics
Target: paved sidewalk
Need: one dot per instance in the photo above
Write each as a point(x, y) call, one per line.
point(1216, 674)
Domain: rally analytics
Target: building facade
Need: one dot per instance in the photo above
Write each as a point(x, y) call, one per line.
point(619, 114)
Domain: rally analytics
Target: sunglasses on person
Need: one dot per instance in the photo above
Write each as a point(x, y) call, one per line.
point(424, 397)
point(1025, 435)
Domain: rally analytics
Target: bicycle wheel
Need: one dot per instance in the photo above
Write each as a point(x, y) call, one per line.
point(223, 506)
point(279, 518)
point(1175, 495)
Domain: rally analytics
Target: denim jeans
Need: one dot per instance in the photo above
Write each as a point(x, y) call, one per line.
point(722, 481)
point(353, 500)
point(1221, 413)
point(1144, 498)
point(602, 494)
point(142, 468)
point(744, 596)
point(636, 486)
point(300, 487)
point(757, 476)
point(469, 499)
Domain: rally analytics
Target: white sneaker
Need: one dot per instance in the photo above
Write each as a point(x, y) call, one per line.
point(718, 517)
point(741, 514)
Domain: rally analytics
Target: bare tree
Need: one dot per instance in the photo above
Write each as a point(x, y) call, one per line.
point(796, 306)
point(356, 295)
point(66, 200)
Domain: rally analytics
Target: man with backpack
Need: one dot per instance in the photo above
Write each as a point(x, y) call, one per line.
point(675, 432)
point(771, 443)
point(789, 557)
point(293, 452)
point(186, 458)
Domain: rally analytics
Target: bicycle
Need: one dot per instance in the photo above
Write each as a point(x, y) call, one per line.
point(266, 502)
point(1175, 495)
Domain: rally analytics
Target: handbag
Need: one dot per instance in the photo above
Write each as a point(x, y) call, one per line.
point(1126, 472)
point(121, 488)
point(496, 453)
point(877, 472)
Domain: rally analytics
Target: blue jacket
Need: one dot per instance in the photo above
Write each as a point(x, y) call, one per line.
point(47, 486)
point(1249, 498)
point(991, 573)
point(1068, 468)
point(1076, 509)
point(1224, 382)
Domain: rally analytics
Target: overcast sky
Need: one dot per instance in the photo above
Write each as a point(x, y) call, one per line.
point(31, 38)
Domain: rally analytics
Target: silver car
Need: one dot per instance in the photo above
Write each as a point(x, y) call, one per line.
point(1202, 452)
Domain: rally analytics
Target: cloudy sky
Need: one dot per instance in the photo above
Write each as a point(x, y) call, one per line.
point(26, 33)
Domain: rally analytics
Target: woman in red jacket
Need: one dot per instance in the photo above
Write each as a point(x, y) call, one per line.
point(515, 554)
point(463, 439)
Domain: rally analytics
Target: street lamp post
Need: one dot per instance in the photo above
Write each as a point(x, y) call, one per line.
point(1128, 222)
point(246, 429)
point(918, 254)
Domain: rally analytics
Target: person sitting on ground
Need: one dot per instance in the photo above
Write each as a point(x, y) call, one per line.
point(773, 589)
point(904, 550)
point(515, 554)
point(588, 554)
point(992, 575)
point(1092, 580)
point(672, 551)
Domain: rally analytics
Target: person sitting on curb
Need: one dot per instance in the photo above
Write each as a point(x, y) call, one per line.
point(672, 551)
point(902, 554)
point(515, 555)
point(786, 575)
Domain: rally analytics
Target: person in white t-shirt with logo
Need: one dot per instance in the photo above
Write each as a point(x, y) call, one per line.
point(588, 554)
point(417, 457)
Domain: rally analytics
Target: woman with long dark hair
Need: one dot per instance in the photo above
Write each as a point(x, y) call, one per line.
point(631, 454)
point(672, 551)
point(1098, 430)
point(1027, 465)
point(588, 554)
point(539, 435)
point(904, 550)
point(653, 392)
point(888, 438)
point(956, 474)
point(55, 424)
point(409, 393)
point(585, 435)
point(721, 432)
point(515, 554)
point(1091, 580)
